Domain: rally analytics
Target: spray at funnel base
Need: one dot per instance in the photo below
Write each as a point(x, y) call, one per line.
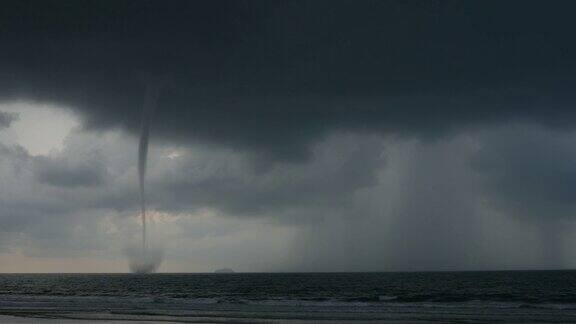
point(145, 261)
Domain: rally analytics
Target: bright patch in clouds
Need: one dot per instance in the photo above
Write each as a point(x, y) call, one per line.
point(173, 155)
point(39, 128)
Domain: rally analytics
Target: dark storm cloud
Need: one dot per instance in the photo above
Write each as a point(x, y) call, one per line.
point(7, 118)
point(295, 80)
point(271, 76)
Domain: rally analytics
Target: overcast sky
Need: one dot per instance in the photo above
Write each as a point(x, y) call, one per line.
point(289, 135)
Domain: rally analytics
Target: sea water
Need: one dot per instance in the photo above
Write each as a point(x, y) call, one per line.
point(513, 296)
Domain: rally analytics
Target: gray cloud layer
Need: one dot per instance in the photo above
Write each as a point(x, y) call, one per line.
point(360, 202)
point(7, 118)
point(529, 172)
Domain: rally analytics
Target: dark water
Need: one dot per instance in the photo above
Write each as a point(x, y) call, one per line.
point(515, 296)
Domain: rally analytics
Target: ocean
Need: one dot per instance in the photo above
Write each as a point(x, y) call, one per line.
point(500, 296)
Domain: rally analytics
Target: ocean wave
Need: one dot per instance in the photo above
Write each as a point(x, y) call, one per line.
point(377, 300)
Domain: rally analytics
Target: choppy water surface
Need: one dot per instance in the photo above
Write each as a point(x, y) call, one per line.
point(519, 296)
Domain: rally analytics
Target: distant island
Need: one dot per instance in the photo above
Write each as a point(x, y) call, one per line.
point(224, 270)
